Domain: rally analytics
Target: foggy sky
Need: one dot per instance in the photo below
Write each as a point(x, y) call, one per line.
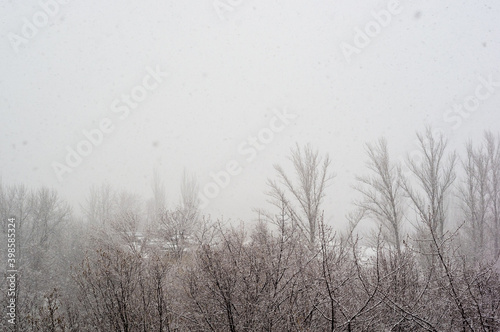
point(215, 75)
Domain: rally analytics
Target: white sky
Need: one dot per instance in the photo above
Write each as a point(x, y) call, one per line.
point(224, 79)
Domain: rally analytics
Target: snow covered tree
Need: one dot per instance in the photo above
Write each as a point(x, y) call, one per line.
point(382, 195)
point(302, 196)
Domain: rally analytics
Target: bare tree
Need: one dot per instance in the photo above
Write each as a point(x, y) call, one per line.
point(125, 231)
point(434, 176)
point(474, 197)
point(493, 155)
point(157, 205)
point(189, 203)
point(108, 282)
point(100, 206)
point(14, 201)
point(480, 195)
point(41, 217)
point(308, 190)
point(382, 193)
point(178, 226)
point(49, 215)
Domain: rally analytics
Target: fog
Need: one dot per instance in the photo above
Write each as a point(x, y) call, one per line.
point(222, 165)
point(223, 72)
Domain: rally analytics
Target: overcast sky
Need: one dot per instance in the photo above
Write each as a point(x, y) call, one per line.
point(179, 85)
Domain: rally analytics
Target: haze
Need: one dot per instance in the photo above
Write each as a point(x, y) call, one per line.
point(208, 77)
